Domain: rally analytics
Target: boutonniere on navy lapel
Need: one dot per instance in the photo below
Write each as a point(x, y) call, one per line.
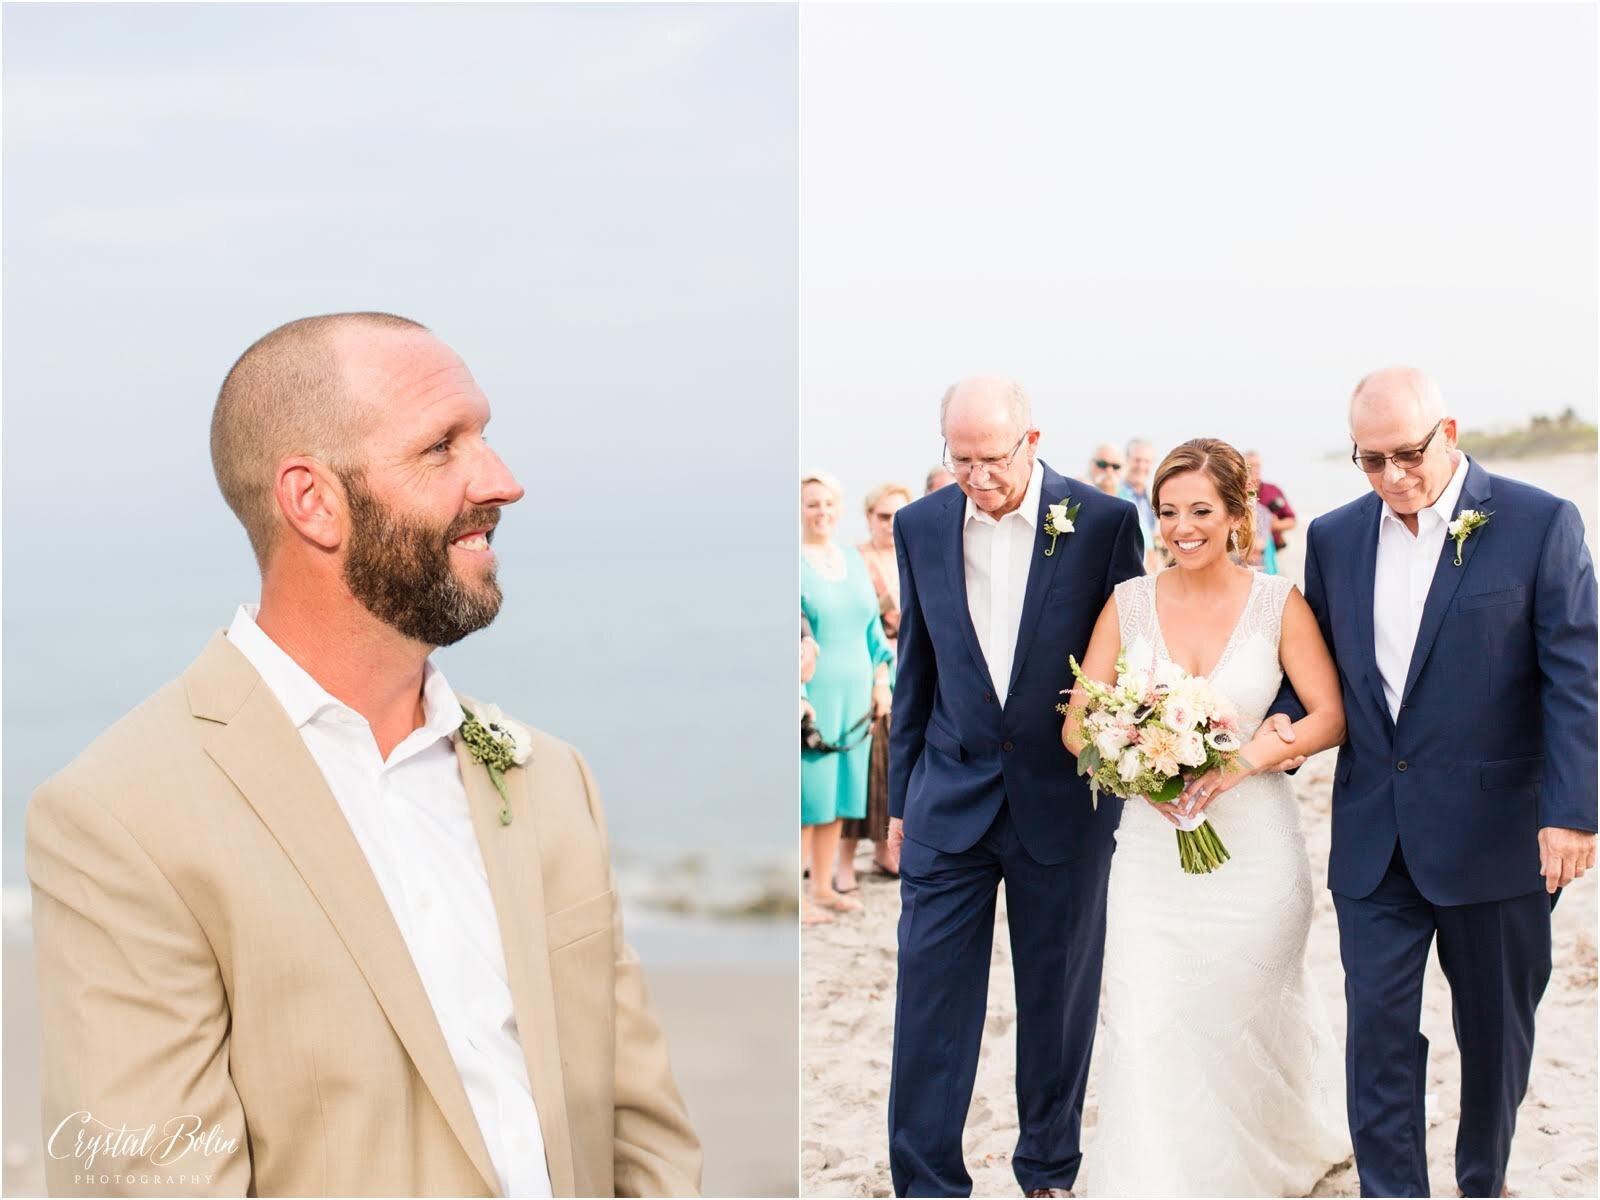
point(1058, 520)
point(1464, 526)
point(499, 743)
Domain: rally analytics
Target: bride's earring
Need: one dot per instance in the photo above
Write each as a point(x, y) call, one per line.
point(1233, 540)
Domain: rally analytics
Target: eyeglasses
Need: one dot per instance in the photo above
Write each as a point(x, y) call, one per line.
point(962, 467)
point(1373, 463)
point(1107, 466)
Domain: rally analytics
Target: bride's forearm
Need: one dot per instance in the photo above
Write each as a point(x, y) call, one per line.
point(1314, 733)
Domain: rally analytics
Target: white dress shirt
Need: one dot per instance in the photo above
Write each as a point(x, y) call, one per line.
point(998, 555)
point(410, 817)
point(1405, 569)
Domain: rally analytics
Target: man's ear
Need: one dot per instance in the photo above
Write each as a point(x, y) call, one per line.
point(312, 500)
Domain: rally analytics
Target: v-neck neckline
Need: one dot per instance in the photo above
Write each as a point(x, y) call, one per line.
point(1233, 634)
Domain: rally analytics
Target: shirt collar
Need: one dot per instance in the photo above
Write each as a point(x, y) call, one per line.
point(1028, 510)
point(303, 698)
point(1444, 507)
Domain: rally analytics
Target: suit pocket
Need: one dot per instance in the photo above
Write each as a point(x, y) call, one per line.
point(1510, 772)
point(1474, 600)
point(578, 921)
point(941, 739)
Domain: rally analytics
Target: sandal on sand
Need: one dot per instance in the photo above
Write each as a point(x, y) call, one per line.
point(845, 891)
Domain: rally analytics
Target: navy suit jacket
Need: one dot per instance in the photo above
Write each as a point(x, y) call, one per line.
point(954, 753)
point(1496, 733)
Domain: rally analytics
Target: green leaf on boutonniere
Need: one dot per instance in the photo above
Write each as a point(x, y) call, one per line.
point(499, 744)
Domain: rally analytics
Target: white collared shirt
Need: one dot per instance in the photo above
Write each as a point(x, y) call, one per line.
point(410, 817)
point(998, 555)
point(1405, 569)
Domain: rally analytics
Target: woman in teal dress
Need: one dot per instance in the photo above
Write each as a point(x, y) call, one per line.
point(849, 687)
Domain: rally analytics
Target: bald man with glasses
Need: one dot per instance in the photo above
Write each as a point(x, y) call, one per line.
point(1460, 608)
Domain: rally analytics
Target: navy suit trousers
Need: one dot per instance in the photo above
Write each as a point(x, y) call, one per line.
point(1057, 920)
point(1496, 957)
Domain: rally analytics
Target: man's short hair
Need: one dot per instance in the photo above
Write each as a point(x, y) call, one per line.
point(286, 395)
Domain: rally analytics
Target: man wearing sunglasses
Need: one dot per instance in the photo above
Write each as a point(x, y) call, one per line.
point(1460, 608)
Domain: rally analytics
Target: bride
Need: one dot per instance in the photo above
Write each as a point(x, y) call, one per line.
point(1219, 1074)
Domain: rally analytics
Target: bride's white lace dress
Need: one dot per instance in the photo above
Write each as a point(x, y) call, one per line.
point(1218, 1070)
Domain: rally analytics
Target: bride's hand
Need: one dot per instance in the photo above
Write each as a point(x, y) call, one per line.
point(1164, 809)
point(1199, 793)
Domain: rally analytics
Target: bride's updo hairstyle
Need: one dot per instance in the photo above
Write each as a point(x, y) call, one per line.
point(1224, 466)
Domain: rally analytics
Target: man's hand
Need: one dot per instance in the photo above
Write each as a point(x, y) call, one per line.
point(1564, 855)
point(1280, 724)
point(897, 836)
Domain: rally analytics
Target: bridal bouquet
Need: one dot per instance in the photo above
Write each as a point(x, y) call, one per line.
point(1146, 731)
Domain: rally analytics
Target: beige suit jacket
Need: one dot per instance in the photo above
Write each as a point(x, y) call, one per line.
point(216, 961)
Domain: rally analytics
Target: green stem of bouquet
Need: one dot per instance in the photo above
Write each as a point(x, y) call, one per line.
point(1201, 851)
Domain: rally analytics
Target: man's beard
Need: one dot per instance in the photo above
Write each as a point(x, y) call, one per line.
point(400, 570)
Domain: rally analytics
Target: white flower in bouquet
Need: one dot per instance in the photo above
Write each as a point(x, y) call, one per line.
point(1134, 686)
point(1111, 740)
point(1167, 676)
point(1130, 766)
point(1224, 740)
point(1179, 715)
point(1191, 749)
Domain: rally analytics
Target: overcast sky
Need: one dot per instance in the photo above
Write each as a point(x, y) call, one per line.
point(1193, 219)
point(594, 205)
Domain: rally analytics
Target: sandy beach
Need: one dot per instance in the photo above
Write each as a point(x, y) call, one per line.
point(848, 981)
point(730, 1030)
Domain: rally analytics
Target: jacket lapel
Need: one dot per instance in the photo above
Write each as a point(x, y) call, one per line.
point(1041, 570)
point(511, 856)
point(255, 743)
point(1446, 575)
point(956, 564)
point(1366, 584)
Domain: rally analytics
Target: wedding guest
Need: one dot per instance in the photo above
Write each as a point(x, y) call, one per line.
point(287, 898)
point(1271, 495)
point(1106, 465)
point(938, 477)
point(878, 553)
point(850, 688)
point(1141, 461)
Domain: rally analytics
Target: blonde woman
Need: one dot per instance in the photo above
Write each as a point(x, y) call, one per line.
point(848, 690)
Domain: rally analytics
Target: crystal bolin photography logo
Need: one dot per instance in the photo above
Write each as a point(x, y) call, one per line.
point(82, 1137)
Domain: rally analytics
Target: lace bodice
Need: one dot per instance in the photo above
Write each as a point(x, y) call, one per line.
point(1248, 671)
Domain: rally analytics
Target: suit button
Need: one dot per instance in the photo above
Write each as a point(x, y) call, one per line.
point(988, 697)
point(1005, 745)
point(1401, 765)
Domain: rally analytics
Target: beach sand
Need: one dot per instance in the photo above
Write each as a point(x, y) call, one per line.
point(848, 974)
point(847, 1011)
point(730, 1031)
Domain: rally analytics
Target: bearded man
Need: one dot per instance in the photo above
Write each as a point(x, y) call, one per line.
point(309, 922)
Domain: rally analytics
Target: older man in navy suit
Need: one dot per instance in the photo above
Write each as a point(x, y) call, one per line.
point(982, 790)
point(1460, 608)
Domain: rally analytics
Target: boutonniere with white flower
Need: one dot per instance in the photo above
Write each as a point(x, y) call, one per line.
point(1058, 519)
point(499, 743)
point(1464, 526)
